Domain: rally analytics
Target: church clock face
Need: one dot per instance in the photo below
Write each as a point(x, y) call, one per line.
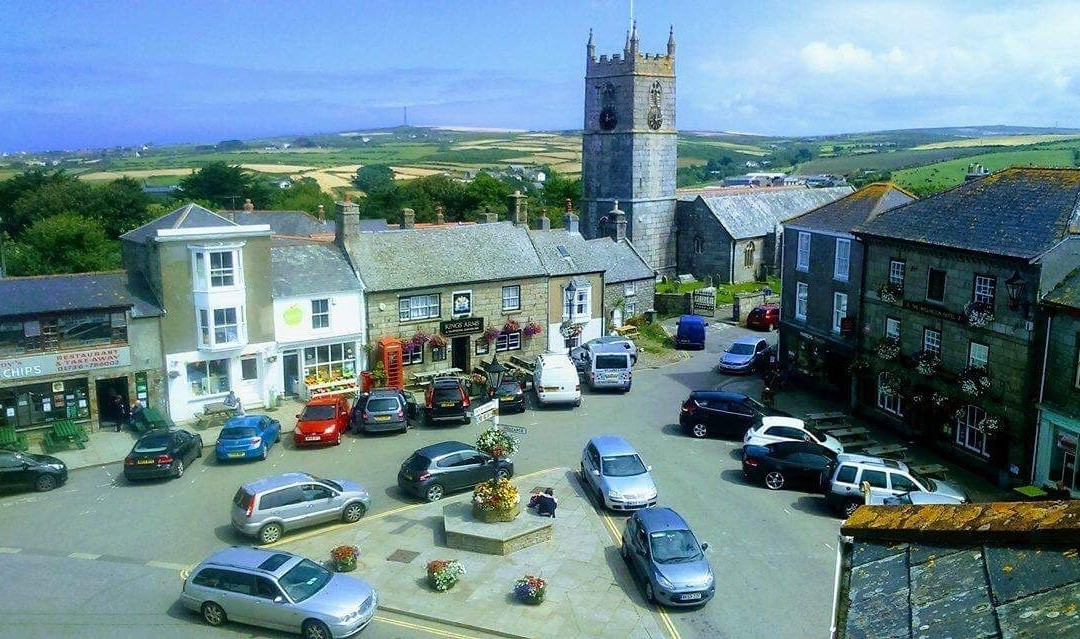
point(608, 119)
point(656, 119)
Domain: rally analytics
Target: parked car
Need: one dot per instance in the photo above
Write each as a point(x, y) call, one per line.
point(555, 380)
point(382, 410)
point(279, 590)
point(910, 498)
point(608, 366)
point(782, 464)
point(247, 437)
point(744, 355)
point(323, 421)
point(580, 357)
point(722, 413)
point(439, 469)
point(614, 471)
point(268, 508)
point(445, 400)
point(660, 547)
point(890, 476)
point(511, 396)
point(27, 470)
point(781, 429)
point(690, 332)
point(162, 452)
point(764, 318)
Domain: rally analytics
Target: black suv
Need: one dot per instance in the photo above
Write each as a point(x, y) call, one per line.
point(439, 469)
point(781, 464)
point(722, 413)
point(445, 400)
point(26, 470)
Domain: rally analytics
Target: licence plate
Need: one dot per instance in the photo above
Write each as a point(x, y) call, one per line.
point(311, 438)
point(446, 404)
point(382, 418)
point(507, 398)
point(550, 389)
point(236, 454)
point(145, 461)
point(690, 597)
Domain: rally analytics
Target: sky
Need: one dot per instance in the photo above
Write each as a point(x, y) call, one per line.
point(95, 74)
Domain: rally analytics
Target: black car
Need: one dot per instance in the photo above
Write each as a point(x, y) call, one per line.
point(445, 400)
point(439, 469)
point(26, 470)
point(783, 464)
point(164, 452)
point(511, 397)
point(722, 413)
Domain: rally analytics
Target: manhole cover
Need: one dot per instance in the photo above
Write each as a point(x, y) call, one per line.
point(403, 556)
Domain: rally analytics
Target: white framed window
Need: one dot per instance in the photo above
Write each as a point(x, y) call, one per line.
point(801, 301)
point(839, 310)
point(330, 361)
point(978, 354)
point(320, 313)
point(892, 328)
point(889, 402)
point(208, 378)
point(249, 368)
point(221, 326)
point(508, 342)
point(226, 326)
point(931, 340)
point(896, 272)
point(985, 289)
point(576, 303)
point(842, 261)
point(205, 327)
point(415, 356)
point(630, 289)
point(418, 307)
point(802, 259)
point(511, 298)
point(216, 268)
point(630, 308)
point(969, 431)
point(222, 269)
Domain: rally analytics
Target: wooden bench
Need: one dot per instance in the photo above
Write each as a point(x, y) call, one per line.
point(825, 417)
point(629, 331)
point(523, 363)
point(217, 408)
point(886, 450)
point(857, 444)
point(65, 434)
point(11, 440)
point(854, 432)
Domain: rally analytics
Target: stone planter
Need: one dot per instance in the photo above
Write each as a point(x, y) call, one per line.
point(493, 516)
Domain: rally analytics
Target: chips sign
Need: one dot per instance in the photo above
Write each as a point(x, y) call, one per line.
point(486, 412)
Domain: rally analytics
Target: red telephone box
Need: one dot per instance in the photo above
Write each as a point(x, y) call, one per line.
point(391, 353)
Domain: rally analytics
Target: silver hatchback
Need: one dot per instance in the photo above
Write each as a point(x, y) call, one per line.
point(267, 508)
point(280, 590)
point(614, 470)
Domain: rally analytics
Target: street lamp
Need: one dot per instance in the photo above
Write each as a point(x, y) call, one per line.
point(1016, 286)
point(495, 372)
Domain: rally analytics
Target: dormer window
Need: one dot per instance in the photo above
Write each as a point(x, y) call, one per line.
point(216, 268)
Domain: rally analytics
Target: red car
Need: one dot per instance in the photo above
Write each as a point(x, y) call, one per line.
point(765, 317)
point(323, 421)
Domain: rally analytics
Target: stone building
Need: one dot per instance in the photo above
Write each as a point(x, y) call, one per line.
point(950, 344)
point(822, 284)
point(734, 234)
point(629, 147)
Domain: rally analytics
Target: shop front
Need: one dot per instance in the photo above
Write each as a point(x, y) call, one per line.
point(330, 368)
point(1055, 452)
point(199, 378)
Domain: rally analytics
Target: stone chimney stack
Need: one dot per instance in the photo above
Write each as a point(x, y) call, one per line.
point(488, 216)
point(347, 221)
point(545, 222)
point(248, 206)
point(618, 222)
point(408, 218)
point(440, 217)
point(514, 209)
point(570, 221)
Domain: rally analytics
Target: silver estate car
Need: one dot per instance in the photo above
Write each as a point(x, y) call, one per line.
point(267, 508)
point(614, 471)
point(280, 590)
point(659, 546)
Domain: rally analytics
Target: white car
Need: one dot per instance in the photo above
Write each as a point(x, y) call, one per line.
point(556, 380)
point(788, 429)
point(912, 498)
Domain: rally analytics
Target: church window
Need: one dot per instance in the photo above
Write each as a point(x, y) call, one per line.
point(656, 93)
point(699, 244)
point(748, 256)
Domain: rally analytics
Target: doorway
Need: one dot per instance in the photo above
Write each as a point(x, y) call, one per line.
point(459, 353)
point(113, 401)
point(290, 365)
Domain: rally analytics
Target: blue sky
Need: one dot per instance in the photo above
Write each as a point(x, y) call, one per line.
point(78, 74)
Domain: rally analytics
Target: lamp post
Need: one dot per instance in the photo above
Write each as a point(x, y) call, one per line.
point(495, 372)
point(1016, 286)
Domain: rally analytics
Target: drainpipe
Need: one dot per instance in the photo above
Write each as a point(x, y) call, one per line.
point(1042, 388)
point(731, 274)
point(841, 541)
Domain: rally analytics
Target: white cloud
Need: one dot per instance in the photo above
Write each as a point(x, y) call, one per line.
point(822, 58)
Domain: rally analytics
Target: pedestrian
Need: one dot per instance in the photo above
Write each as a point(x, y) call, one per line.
point(120, 408)
point(768, 396)
point(233, 402)
point(546, 503)
point(136, 413)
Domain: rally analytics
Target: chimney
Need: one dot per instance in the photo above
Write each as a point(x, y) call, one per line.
point(489, 216)
point(514, 210)
point(618, 221)
point(347, 221)
point(570, 221)
point(321, 214)
point(545, 222)
point(976, 171)
point(248, 206)
point(440, 218)
point(408, 218)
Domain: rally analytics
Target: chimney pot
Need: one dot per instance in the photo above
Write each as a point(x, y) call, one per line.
point(408, 218)
point(545, 223)
point(248, 206)
point(440, 218)
point(569, 206)
point(322, 212)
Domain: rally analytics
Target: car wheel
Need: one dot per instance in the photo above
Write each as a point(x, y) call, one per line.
point(315, 629)
point(699, 430)
point(850, 507)
point(434, 492)
point(774, 480)
point(577, 403)
point(213, 614)
point(178, 469)
point(270, 533)
point(45, 483)
point(353, 513)
point(502, 473)
point(650, 596)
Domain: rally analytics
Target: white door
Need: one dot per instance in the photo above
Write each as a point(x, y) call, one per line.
point(616, 318)
point(250, 391)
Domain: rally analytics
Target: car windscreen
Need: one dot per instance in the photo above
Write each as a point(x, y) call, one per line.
point(382, 404)
point(741, 349)
point(508, 388)
point(621, 466)
point(452, 394)
point(674, 546)
point(304, 579)
point(154, 444)
point(417, 463)
point(319, 412)
point(238, 432)
point(929, 484)
point(608, 362)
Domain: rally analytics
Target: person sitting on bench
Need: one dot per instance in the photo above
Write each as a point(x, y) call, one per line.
point(545, 503)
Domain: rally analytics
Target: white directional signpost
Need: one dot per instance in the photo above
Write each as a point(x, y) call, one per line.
point(515, 430)
point(487, 412)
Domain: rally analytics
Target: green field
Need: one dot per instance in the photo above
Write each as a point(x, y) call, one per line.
point(932, 178)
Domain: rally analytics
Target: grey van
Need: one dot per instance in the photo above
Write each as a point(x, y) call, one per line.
point(267, 508)
point(608, 366)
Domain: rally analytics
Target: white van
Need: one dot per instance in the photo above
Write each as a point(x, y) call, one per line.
point(556, 380)
point(608, 366)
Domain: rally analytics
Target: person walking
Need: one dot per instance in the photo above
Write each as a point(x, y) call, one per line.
point(136, 414)
point(121, 409)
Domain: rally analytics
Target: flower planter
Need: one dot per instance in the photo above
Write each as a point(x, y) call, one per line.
point(443, 574)
point(345, 565)
point(496, 515)
point(530, 590)
point(343, 558)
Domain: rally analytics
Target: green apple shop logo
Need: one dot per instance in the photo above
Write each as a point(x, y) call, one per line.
point(293, 316)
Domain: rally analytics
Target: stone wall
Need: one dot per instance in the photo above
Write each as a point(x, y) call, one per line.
point(642, 299)
point(699, 227)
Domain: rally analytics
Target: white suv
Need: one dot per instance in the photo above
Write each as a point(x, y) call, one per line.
point(884, 476)
point(788, 429)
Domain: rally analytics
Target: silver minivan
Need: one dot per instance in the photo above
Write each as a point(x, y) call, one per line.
point(614, 471)
point(267, 508)
point(608, 366)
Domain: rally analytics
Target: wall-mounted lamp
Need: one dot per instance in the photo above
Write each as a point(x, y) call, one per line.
point(1016, 287)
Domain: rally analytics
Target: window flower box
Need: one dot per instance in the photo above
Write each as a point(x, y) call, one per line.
point(891, 293)
point(888, 348)
point(979, 314)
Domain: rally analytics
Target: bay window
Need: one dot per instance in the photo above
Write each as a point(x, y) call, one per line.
point(216, 268)
point(220, 327)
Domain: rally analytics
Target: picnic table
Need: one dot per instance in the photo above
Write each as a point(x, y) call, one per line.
point(1031, 493)
point(426, 376)
point(825, 417)
point(11, 440)
point(886, 450)
point(65, 434)
point(853, 432)
point(628, 330)
point(937, 471)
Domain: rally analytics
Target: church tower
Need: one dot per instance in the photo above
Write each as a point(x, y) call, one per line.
point(629, 147)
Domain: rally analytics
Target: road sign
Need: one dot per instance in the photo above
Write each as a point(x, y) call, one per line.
point(517, 430)
point(488, 411)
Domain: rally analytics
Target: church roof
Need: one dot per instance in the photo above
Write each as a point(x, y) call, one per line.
point(758, 212)
point(853, 209)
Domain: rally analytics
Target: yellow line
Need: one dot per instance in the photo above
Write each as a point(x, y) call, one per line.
point(413, 626)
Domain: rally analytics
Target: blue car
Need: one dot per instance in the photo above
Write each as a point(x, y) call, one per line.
point(247, 437)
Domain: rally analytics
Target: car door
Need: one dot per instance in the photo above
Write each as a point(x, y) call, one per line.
point(318, 503)
point(640, 555)
point(877, 479)
point(448, 474)
point(183, 445)
point(590, 461)
point(286, 504)
point(473, 468)
point(740, 417)
point(237, 597)
point(900, 483)
point(14, 470)
point(273, 609)
point(761, 351)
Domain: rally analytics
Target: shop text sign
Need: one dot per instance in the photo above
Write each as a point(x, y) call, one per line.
point(64, 362)
point(461, 327)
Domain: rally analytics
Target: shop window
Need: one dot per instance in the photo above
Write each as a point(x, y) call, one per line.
point(508, 342)
point(969, 431)
point(208, 378)
point(249, 369)
point(572, 342)
point(889, 402)
point(329, 362)
point(418, 307)
point(320, 314)
point(33, 405)
point(481, 346)
point(935, 285)
point(511, 298)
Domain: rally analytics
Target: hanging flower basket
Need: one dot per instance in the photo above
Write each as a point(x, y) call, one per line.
point(979, 314)
point(442, 574)
point(344, 558)
point(492, 334)
point(888, 348)
point(511, 326)
point(418, 340)
point(530, 590)
point(570, 329)
point(889, 384)
point(974, 381)
point(927, 363)
point(437, 341)
point(496, 500)
point(531, 329)
point(497, 443)
point(891, 293)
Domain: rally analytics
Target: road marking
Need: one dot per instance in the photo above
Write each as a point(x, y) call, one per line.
point(166, 565)
point(5, 550)
point(414, 626)
point(89, 556)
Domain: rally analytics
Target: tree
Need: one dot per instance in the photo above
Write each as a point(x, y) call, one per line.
point(304, 195)
point(119, 205)
point(51, 199)
point(19, 185)
point(558, 189)
point(374, 177)
point(225, 185)
point(64, 243)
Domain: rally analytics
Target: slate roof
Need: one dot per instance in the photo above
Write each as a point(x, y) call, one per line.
point(293, 223)
point(77, 292)
point(624, 263)
point(1018, 212)
point(409, 259)
point(188, 216)
point(1067, 292)
point(579, 258)
point(745, 215)
point(976, 570)
point(305, 269)
point(853, 209)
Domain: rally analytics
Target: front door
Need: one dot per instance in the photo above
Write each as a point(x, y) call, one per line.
point(291, 372)
point(459, 353)
point(112, 398)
